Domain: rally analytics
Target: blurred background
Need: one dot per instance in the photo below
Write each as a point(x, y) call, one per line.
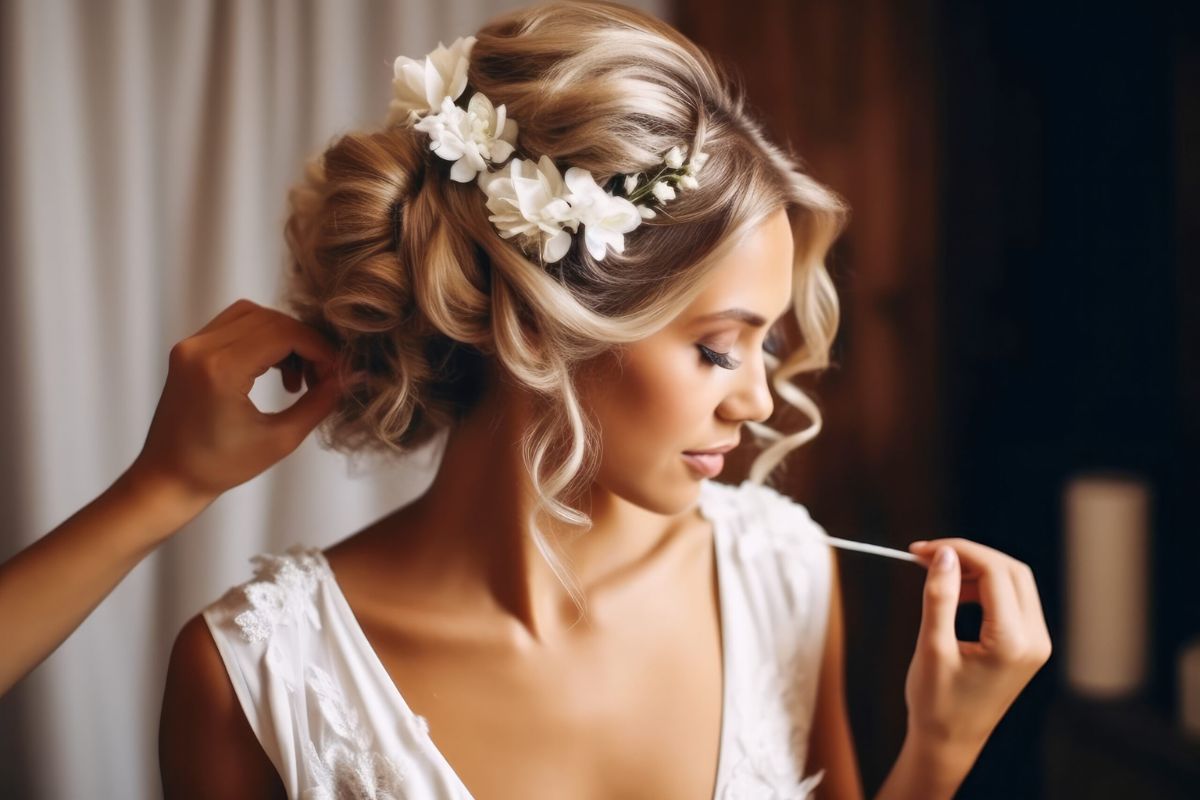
point(1016, 364)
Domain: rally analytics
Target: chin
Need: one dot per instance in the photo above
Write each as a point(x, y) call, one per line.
point(665, 493)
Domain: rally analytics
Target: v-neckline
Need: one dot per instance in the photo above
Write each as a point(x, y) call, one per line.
point(381, 673)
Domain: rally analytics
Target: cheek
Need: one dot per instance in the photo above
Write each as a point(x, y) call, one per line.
point(656, 407)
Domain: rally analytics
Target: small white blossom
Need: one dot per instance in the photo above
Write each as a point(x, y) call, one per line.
point(470, 137)
point(528, 199)
point(663, 191)
point(605, 218)
point(674, 157)
point(419, 86)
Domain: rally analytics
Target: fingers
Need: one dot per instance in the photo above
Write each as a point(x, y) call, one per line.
point(940, 606)
point(258, 338)
point(252, 339)
point(1004, 594)
point(282, 335)
point(293, 371)
point(238, 308)
point(246, 339)
point(1035, 618)
point(295, 422)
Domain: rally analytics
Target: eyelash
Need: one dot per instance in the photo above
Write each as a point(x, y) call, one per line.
point(771, 345)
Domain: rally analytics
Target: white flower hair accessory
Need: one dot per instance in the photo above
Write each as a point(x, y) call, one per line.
point(529, 200)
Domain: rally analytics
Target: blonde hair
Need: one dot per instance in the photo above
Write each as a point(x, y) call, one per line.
point(594, 85)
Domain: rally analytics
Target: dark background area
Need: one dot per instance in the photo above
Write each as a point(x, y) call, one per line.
point(1020, 304)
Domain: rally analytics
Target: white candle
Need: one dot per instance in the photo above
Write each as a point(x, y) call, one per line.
point(1106, 520)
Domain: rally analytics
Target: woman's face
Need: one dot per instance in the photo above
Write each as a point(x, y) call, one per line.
point(691, 385)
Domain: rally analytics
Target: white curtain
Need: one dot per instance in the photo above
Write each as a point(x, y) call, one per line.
point(145, 151)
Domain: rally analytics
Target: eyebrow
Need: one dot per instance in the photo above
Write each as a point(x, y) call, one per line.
point(739, 314)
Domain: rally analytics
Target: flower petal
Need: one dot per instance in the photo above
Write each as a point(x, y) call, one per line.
point(481, 107)
point(556, 246)
point(560, 211)
point(581, 182)
point(621, 215)
point(448, 148)
point(458, 78)
point(463, 171)
point(510, 131)
point(547, 168)
point(450, 64)
point(435, 85)
point(663, 191)
point(501, 150)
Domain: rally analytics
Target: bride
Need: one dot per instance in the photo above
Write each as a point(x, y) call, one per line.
point(573, 252)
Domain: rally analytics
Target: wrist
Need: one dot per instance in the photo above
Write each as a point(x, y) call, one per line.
point(170, 504)
point(926, 770)
point(945, 761)
point(953, 751)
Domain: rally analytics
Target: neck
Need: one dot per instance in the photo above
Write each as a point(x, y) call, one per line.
point(473, 529)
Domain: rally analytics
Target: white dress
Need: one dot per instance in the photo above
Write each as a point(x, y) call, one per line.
point(332, 721)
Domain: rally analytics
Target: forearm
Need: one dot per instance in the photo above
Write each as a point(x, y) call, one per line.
point(50, 587)
point(927, 771)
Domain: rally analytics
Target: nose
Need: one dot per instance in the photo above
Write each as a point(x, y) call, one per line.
point(750, 399)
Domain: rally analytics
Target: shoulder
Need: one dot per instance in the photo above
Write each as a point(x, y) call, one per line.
point(206, 745)
point(281, 592)
point(213, 715)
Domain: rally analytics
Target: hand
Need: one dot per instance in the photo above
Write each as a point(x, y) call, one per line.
point(957, 691)
point(207, 436)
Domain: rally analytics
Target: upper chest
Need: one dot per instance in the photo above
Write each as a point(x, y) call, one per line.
point(630, 708)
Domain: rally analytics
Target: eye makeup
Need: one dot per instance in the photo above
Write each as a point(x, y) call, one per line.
point(722, 360)
point(773, 345)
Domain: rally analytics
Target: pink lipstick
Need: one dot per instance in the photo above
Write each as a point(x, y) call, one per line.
point(707, 464)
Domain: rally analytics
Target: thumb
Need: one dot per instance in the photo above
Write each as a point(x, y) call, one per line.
point(943, 584)
point(313, 406)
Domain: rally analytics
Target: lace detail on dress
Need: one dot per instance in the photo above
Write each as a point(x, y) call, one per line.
point(775, 706)
point(759, 766)
point(279, 593)
point(346, 768)
point(778, 531)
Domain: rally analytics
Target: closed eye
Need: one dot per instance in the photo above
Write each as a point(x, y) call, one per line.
point(722, 360)
point(774, 345)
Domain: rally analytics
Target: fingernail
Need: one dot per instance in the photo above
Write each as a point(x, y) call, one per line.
point(919, 543)
point(945, 558)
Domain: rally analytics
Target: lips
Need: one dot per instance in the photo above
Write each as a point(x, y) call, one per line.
point(707, 464)
point(725, 448)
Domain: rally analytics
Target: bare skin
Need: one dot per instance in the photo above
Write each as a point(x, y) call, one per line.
point(480, 638)
point(206, 437)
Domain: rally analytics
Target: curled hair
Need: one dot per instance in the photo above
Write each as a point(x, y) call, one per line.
point(401, 266)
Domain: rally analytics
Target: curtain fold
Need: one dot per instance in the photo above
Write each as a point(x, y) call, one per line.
point(147, 151)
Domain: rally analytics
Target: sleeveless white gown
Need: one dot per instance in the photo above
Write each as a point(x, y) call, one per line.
point(333, 723)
